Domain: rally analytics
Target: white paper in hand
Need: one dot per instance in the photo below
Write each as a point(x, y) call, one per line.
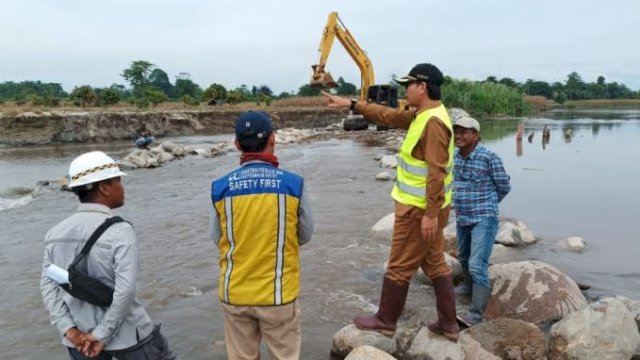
point(57, 274)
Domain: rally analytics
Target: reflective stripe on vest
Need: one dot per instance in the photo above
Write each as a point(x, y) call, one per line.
point(419, 191)
point(232, 246)
point(282, 218)
point(411, 180)
point(417, 170)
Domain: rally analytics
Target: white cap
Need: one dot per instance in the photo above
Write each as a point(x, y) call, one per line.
point(92, 167)
point(468, 123)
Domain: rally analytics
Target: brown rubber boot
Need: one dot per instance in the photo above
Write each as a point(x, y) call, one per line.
point(392, 301)
point(446, 306)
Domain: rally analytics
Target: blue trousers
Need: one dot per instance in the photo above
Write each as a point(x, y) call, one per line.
point(144, 141)
point(475, 243)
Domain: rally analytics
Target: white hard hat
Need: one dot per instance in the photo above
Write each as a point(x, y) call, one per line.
point(92, 167)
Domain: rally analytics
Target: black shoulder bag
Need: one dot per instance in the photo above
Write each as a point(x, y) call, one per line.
point(81, 285)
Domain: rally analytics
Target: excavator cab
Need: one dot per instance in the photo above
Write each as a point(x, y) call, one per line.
point(386, 95)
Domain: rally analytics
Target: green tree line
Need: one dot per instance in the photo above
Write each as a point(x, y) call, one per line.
point(574, 88)
point(149, 85)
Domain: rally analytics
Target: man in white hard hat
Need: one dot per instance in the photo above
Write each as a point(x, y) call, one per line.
point(122, 330)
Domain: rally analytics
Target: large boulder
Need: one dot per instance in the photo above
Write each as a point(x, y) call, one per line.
point(292, 135)
point(451, 239)
point(532, 291)
point(512, 232)
point(383, 229)
point(574, 243)
point(389, 161)
point(350, 337)
point(509, 339)
point(604, 330)
point(152, 163)
point(429, 346)
point(174, 149)
point(163, 157)
point(221, 148)
point(195, 151)
point(473, 350)
point(633, 306)
point(385, 176)
point(366, 352)
point(136, 160)
point(453, 263)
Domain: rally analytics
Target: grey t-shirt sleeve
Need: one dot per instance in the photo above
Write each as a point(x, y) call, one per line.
point(305, 218)
point(59, 313)
point(214, 225)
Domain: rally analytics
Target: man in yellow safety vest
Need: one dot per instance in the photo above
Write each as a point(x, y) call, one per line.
point(422, 194)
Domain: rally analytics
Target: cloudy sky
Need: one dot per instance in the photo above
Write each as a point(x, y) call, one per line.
point(75, 42)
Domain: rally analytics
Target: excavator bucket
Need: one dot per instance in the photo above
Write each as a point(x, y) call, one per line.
point(322, 79)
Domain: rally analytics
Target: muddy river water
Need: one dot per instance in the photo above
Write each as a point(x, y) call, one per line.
point(583, 185)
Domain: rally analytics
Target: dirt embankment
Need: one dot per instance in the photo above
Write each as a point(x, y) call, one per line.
point(96, 127)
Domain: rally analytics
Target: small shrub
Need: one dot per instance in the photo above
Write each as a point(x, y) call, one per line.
point(141, 103)
point(52, 101)
point(108, 97)
point(83, 96)
point(190, 101)
point(155, 97)
point(35, 100)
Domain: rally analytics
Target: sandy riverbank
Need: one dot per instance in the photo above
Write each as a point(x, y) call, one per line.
point(98, 127)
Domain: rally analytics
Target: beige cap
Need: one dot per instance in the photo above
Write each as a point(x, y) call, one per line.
point(467, 122)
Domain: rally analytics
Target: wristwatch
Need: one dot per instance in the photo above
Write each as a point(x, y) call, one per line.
point(353, 104)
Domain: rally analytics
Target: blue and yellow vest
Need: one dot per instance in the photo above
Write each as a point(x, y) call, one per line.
point(411, 179)
point(257, 205)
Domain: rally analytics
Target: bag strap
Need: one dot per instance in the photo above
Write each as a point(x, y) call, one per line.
point(94, 237)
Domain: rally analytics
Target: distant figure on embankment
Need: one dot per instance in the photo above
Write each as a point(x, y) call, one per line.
point(144, 138)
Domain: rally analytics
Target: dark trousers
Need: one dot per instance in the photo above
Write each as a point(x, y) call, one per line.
point(153, 347)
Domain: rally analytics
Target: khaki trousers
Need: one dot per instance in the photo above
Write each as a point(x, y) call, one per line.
point(245, 326)
point(409, 249)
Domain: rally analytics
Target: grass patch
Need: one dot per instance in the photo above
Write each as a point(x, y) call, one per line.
point(540, 103)
point(301, 101)
point(12, 108)
point(603, 103)
point(485, 98)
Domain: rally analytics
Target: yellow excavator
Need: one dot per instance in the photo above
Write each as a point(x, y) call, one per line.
point(382, 94)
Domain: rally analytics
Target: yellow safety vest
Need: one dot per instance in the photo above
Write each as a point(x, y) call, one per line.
point(411, 179)
point(259, 250)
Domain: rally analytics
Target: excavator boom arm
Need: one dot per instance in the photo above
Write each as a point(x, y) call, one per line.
point(336, 29)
